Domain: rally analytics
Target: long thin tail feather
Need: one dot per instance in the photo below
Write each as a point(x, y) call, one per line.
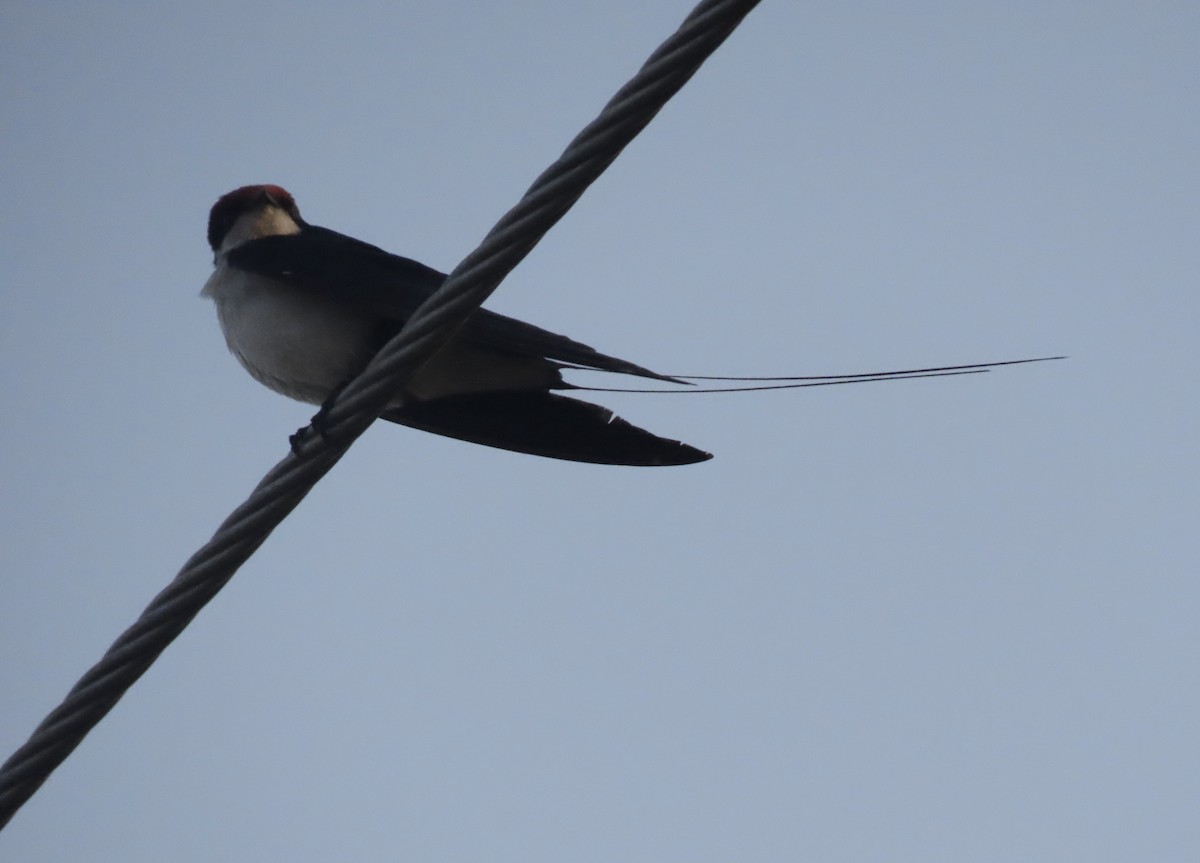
point(802, 381)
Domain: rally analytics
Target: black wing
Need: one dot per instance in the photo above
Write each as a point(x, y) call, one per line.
point(393, 287)
point(545, 424)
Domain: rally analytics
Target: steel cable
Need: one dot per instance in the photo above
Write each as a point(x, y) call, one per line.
point(355, 408)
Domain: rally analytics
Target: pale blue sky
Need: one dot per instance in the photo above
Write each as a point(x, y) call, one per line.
point(933, 621)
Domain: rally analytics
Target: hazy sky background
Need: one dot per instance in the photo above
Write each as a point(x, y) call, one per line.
point(940, 620)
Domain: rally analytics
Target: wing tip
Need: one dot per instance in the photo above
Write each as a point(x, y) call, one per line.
point(681, 454)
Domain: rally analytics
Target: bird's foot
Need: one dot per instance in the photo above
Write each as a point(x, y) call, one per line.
point(318, 425)
point(301, 435)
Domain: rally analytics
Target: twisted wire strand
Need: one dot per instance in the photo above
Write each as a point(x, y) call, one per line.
point(286, 484)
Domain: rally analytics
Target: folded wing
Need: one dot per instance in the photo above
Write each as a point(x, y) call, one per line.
point(545, 424)
point(393, 287)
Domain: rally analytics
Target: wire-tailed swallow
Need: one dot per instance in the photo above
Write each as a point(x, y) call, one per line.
point(304, 309)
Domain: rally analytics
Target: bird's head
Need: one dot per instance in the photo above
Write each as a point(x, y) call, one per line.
point(250, 213)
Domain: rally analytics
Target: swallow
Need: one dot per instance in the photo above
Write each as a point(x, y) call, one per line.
point(304, 308)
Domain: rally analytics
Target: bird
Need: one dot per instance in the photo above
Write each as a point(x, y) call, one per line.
point(305, 308)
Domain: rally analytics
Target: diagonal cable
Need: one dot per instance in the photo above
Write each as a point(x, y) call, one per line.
point(210, 568)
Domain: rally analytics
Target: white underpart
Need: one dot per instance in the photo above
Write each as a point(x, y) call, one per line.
point(295, 343)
